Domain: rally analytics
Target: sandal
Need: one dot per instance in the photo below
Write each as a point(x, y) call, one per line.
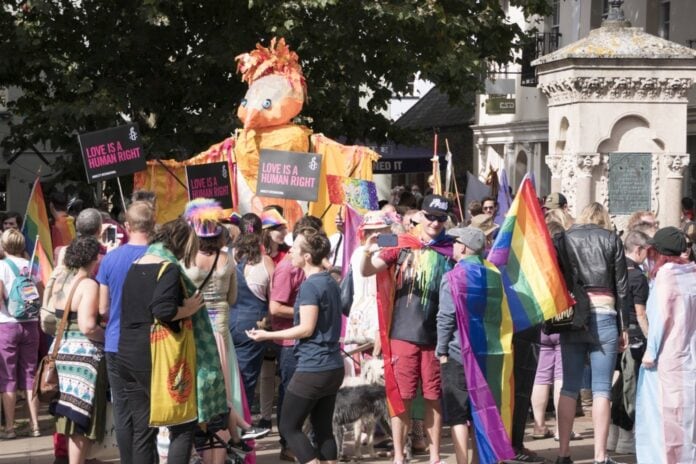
point(540, 436)
point(573, 436)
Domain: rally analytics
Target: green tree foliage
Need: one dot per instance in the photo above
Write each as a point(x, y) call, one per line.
point(169, 65)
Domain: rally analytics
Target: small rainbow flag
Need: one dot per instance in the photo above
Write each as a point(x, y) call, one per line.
point(36, 223)
point(485, 331)
point(358, 193)
point(41, 264)
point(523, 252)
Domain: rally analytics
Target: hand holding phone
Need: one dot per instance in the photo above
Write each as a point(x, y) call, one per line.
point(387, 240)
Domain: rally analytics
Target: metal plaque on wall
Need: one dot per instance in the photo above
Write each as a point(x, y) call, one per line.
point(629, 182)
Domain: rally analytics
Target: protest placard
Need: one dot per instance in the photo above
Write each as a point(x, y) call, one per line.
point(112, 152)
point(286, 174)
point(210, 180)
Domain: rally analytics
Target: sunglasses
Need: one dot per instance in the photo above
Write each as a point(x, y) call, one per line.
point(488, 208)
point(433, 217)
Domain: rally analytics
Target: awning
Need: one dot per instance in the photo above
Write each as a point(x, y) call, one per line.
point(400, 159)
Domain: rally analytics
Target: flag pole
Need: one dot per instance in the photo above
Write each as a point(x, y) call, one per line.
point(120, 189)
point(33, 253)
point(33, 187)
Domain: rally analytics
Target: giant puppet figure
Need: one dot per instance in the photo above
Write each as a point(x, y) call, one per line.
point(277, 91)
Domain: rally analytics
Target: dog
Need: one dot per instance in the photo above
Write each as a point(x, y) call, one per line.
point(360, 405)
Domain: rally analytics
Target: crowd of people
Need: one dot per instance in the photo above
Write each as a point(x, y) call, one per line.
point(273, 303)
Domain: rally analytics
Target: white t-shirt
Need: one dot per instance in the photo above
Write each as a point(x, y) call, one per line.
point(7, 277)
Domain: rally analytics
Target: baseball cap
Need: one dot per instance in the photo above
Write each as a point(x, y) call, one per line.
point(555, 200)
point(472, 237)
point(484, 222)
point(669, 241)
point(436, 204)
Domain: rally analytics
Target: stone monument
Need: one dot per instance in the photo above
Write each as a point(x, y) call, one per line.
point(617, 119)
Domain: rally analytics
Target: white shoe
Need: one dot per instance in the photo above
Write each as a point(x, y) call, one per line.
point(626, 444)
point(613, 437)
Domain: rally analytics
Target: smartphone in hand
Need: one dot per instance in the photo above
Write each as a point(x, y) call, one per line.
point(387, 240)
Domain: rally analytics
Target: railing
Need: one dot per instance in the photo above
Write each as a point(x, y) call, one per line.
point(539, 44)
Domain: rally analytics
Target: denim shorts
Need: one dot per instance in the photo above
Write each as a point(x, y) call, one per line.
point(602, 353)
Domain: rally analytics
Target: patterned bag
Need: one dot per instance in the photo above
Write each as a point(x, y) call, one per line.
point(173, 382)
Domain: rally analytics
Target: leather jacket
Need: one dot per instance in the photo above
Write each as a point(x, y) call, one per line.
point(596, 257)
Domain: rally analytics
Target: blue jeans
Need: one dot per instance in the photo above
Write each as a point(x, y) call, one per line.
point(249, 354)
point(602, 353)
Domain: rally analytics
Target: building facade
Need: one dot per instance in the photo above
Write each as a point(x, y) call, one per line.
point(512, 117)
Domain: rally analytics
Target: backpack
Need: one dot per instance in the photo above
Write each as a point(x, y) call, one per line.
point(23, 300)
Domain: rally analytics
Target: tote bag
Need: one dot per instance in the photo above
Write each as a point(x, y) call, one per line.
point(173, 378)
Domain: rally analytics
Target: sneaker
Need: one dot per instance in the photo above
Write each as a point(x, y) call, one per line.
point(525, 455)
point(607, 460)
point(35, 433)
point(286, 454)
point(9, 435)
point(264, 424)
point(564, 460)
point(253, 433)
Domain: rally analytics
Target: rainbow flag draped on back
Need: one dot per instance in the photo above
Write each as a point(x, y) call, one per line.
point(485, 332)
point(527, 260)
point(427, 269)
point(35, 227)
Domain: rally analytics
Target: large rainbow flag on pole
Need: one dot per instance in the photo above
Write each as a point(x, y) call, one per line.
point(525, 255)
point(36, 226)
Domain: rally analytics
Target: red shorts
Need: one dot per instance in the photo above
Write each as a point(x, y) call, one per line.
point(413, 363)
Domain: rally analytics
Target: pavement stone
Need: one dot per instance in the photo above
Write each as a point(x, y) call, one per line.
point(29, 450)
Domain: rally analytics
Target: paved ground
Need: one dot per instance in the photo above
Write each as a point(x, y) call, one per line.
point(26, 450)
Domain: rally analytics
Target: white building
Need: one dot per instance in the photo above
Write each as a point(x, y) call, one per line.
point(511, 129)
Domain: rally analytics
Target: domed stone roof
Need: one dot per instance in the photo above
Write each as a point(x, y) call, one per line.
point(615, 40)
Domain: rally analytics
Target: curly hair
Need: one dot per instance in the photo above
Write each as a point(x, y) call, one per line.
point(81, 251)
point(248, 246)
point(179, 238)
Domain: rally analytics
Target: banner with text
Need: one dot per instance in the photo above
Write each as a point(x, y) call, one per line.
point(112, 152)
point(286, 174)
point(210, 181)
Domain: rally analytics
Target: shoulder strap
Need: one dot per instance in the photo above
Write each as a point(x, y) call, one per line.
point(163, 268)
point(66, 314)
point(12, 266)
point(210, 274)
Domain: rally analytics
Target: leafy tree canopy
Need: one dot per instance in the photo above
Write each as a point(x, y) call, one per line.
point(169, 65)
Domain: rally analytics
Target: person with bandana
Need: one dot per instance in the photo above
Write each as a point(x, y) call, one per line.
point(408, 325)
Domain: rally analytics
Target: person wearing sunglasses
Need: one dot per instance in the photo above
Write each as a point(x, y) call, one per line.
point(489, 206)
point(417, 265)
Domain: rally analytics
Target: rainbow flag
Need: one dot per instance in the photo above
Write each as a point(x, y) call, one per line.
point(536, 290)
point(63, 231)
point(41, 264)
point(430, 262)
point(485, 331)
point(36, 224)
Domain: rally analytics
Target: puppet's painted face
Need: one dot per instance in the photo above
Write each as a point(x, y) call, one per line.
point(272, 100)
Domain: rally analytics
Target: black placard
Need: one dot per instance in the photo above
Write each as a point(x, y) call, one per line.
point(112, 152)
point(210, 181)
point(287, 174)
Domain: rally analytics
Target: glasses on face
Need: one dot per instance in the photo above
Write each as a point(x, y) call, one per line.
point(433, 217)
point(488, 208)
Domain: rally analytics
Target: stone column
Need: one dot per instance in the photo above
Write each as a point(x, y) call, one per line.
point(672, 168)
point(482, 159)
point(555, 164)
point(585, 163)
